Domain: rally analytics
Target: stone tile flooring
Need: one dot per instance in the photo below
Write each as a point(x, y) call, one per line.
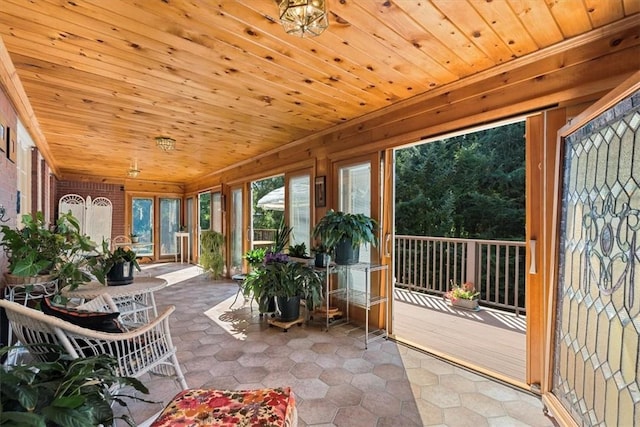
point(335, 380)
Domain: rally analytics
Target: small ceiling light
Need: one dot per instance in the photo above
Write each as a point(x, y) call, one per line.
point(133, 170)
point(165, 143)
point(303, 18)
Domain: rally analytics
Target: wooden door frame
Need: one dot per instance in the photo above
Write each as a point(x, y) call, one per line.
point(377, 313)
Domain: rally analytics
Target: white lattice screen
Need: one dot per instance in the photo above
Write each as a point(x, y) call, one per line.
point(94, 216)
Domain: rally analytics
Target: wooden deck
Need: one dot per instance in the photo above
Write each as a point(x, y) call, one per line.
point(491, 340)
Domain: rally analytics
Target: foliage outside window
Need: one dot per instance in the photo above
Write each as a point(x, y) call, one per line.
point(212, 258)
point(468, 186)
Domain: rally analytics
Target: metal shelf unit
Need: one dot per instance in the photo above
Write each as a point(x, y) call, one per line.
point(360, 298)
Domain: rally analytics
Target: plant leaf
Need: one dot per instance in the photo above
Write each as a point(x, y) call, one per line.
point(24, 419)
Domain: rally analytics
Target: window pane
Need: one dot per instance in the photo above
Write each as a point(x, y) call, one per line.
point(299, 193)
point(267, 197)
point(216, 212)
point(236, 231)
point(354, 188)
point(142, 219)
point(204, 201)
point(169, 225)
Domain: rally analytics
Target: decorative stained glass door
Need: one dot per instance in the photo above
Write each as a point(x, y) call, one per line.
point(597, 324)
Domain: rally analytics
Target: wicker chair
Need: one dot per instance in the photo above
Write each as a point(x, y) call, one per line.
point(148, 348)
point(120, 241)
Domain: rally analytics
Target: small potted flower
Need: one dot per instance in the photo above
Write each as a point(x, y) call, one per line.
point(463, 296)
point(134, 237)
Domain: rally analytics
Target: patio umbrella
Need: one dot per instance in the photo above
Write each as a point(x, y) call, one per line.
point(273, 200)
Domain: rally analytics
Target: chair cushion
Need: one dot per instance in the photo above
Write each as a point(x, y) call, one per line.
point(274, 407)
point(96, 320)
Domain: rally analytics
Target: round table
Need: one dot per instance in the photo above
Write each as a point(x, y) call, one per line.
point(133, 300)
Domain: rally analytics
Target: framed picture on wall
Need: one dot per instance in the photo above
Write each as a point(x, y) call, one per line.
point(321, 191)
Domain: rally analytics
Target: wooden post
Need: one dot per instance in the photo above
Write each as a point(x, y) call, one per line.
point(470, 273)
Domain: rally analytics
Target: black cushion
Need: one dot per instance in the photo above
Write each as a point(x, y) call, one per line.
point(96, 320)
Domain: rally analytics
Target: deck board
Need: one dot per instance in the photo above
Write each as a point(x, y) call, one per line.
point(488, 338)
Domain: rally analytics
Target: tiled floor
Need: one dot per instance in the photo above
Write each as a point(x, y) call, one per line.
point(335, 380)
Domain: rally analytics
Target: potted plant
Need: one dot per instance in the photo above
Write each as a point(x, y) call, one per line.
point(116, 268)
point(287, 281)
point(63, 391)
point(343, 233)
point(37, 253)
point(134, 238)
point(298, 253)
point(211, 256)
point(281, 237)
point(255, 257)
point(464, 296)
point(321, 254)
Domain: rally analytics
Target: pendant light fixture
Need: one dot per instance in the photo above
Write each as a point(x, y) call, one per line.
point(303, 18)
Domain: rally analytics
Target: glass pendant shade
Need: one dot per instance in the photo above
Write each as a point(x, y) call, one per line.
point(303, 18)
point(165, 143)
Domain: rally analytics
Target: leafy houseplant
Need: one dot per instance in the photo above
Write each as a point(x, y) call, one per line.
point(62, 392)
point(341, 231)
point(255, 256)
point(282, 237)
point(134, 237)
point(298, 251)
point(282, 278)
point(116, 268)
point(60, 251)
point(211, 258)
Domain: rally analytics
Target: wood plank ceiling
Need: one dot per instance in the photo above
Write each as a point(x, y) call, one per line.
point(222, 78)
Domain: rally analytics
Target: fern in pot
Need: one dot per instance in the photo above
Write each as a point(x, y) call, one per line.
point(343, 233)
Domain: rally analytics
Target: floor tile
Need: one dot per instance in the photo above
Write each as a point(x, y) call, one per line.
point(336, 381)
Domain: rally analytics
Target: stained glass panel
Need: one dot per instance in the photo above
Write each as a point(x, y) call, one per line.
point(596, 359)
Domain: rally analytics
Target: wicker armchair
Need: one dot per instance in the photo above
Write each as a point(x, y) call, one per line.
point(138, 351)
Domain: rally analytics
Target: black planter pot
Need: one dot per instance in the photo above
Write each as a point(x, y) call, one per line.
point(289, 308)
point(120, 274)
point(321, 260)
point(267, 305)
point(345, 254)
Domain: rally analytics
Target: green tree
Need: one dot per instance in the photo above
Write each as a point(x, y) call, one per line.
point(470, 186)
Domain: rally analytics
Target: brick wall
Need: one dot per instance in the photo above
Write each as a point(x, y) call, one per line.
point(115, 193)
point(8, 172)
